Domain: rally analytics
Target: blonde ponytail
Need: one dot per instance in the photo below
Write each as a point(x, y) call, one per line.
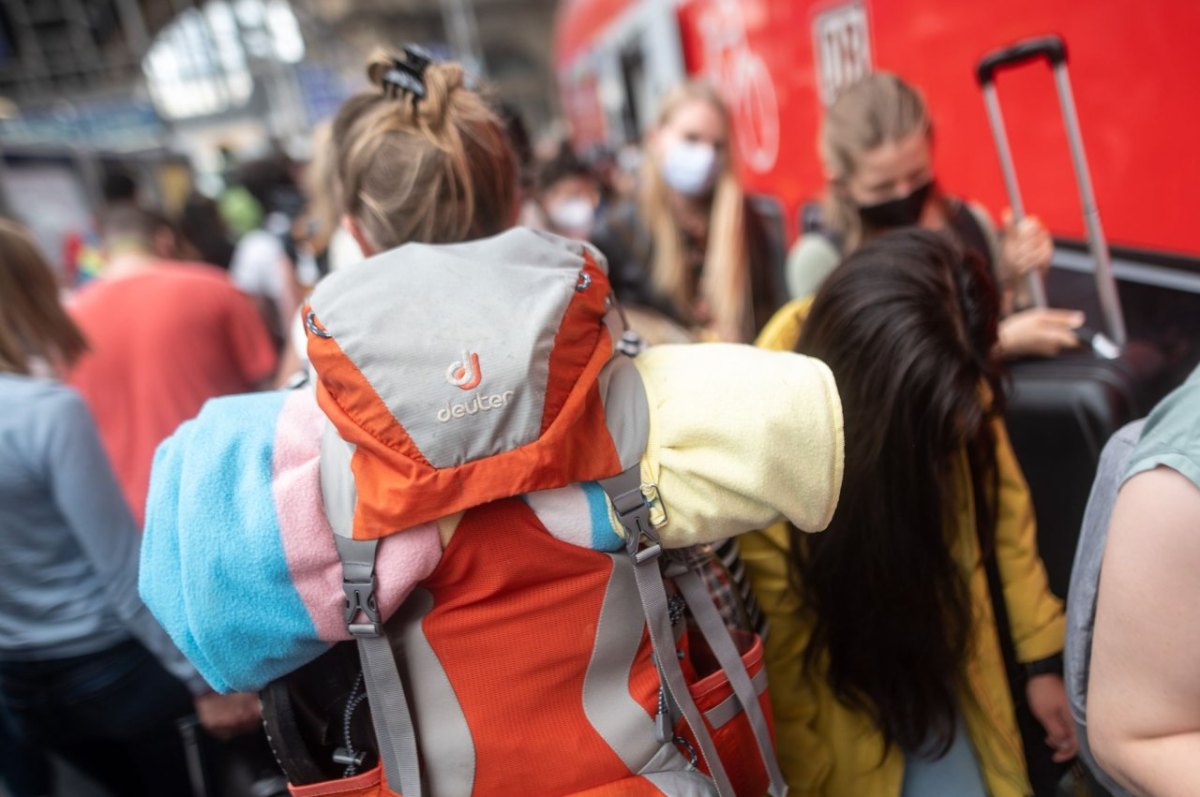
point(435, 168)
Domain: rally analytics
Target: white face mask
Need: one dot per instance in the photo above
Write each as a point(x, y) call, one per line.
point(689, 167)
point(573, 215)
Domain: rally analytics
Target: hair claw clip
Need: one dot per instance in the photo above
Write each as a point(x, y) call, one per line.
point(408, 75)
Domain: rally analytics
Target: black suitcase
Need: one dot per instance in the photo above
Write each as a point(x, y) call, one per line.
point(1061, 411)
point(239, 767)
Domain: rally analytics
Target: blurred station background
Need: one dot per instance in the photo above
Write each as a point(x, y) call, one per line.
point(166, 102)
point(178, 92)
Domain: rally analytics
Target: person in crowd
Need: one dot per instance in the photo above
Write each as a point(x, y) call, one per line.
point(876, 149)
point(1143, 688)
point(164, 337)
point(24, 768)
point(331, 244)
point(265, 259)
point(118, 187)
point(85, 670)
point(569, 193)
point(691, 248)
point(423, 159)
point(204, 235)
point(521, 144)
point(886, 668)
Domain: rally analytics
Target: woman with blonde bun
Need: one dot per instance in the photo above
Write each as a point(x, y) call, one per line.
point(471, 395)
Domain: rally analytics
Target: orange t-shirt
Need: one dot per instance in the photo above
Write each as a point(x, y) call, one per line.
point(163, 341)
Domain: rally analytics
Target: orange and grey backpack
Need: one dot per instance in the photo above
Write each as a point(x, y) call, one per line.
point(488, 390)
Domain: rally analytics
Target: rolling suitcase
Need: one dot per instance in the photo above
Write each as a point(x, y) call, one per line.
point(1061, 411)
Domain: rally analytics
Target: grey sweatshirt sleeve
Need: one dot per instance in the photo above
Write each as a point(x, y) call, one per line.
point(811, 260)
point(86, 492)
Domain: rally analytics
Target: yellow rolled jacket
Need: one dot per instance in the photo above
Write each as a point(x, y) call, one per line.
point(826, 748)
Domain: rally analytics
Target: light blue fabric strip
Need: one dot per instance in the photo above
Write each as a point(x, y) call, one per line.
point(955, 773)
point(214, 570)
point(159, 574)
point(604, 536)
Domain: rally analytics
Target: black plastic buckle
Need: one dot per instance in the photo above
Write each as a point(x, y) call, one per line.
point(344, 757)
point(408, 75)
point(310, 321)
point(633, 510)
point(631, 343)
point(360, 597)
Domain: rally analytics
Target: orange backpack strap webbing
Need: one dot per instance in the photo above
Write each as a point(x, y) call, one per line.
point(633, 509)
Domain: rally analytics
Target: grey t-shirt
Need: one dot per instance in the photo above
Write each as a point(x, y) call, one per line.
point(1085, 583)
point(1168, 437)
point(1172, 435)
point(69, 545)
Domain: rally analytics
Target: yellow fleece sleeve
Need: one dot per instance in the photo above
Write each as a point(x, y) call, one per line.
point(804, 756)
point(1035, 614)
point(782, 332)
point(740, 438)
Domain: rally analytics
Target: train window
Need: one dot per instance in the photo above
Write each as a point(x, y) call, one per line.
point(770, 211)
point(633, 80)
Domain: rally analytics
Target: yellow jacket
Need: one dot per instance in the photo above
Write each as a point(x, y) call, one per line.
point(828, 749)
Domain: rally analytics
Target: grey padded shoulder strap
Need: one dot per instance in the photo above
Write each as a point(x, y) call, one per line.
point(338, 492)
point(626, 409)
point(642, 544)
point(395, 734)
point(625, 492)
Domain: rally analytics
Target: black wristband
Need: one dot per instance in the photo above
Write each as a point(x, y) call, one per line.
point(1051, 665)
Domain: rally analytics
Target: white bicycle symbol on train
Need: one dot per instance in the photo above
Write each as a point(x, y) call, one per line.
point(744, 81)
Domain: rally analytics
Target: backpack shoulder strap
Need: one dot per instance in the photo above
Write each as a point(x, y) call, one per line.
point(971, 233)
point(812, 222)
point(633, 507)
point(395, 733)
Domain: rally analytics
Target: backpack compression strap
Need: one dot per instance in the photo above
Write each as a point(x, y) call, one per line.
point(624, 490)
point(633, 510)
point(395, 735)
point(721, 643)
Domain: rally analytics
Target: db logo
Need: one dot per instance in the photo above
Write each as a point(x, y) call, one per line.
point(465, 373)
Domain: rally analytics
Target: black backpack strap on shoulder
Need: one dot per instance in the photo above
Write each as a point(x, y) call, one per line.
point(969, 231)
point(1042, 771)
point(812, 222)
point(394, 729)
point(995, 584)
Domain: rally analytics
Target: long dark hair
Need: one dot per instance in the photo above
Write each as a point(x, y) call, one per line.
point(908, 325)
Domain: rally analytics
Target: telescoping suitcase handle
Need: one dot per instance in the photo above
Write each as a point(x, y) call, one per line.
point(1054, 51)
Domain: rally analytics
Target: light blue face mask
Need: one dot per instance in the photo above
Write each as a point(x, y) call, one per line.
point(689, 167)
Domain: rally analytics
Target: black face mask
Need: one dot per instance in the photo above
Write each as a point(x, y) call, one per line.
point(902, 212)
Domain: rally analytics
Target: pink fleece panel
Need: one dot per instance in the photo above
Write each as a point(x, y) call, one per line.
point(402, 561)
point(565, 513)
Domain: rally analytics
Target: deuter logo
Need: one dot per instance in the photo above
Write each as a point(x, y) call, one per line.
point(465, 373)
point(480, 402)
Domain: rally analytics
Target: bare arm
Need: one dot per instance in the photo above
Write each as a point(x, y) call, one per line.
point(1144, 689)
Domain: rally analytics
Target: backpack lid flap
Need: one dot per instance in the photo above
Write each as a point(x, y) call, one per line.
point(466, 373)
